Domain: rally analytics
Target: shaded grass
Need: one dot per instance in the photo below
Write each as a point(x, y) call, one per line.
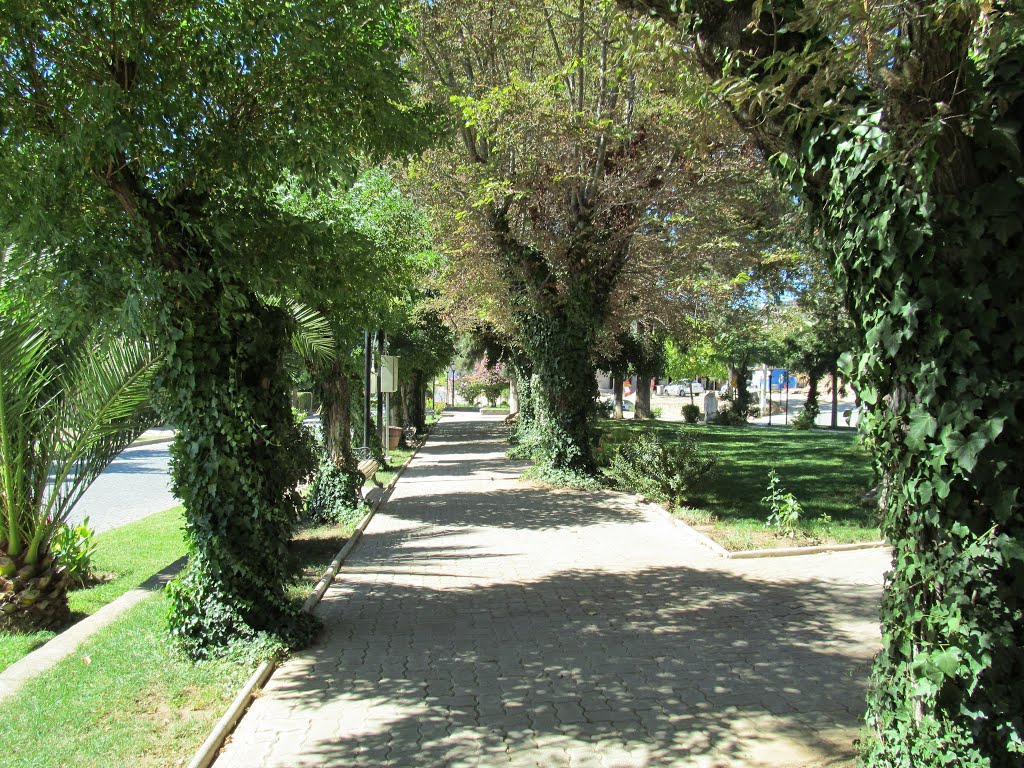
point(135, 703)
point(828, 472)
point(126, 556)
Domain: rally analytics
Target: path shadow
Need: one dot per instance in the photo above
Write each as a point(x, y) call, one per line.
point(671, 665)
point(537, 509)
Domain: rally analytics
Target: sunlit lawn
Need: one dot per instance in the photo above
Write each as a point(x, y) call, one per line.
point(126, 557)
point(828, 472)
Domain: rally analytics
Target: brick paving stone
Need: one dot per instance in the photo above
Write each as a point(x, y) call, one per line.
point(483, 621)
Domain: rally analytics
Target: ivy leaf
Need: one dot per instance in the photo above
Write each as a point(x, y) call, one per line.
point(922, 427)
point(947, 661)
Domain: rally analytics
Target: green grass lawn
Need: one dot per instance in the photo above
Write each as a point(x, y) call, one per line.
point(126, 556)
point(828, 472)
point(124, 699)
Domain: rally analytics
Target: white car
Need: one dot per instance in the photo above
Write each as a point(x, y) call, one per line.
point(684, 388)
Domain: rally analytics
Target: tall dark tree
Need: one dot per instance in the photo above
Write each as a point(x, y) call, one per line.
point(899, 127)
point(573, 144)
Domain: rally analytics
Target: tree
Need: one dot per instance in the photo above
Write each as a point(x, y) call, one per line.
point(158, 173)
point(575, 143)
point(899, 128)
point(820, 334)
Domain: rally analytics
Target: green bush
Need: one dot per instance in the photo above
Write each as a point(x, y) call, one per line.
point(807, 418)
point(666, 471)
point(690, 413)
point(656, 413)
point(730, 417)
point(73, 547)
point(334, 494)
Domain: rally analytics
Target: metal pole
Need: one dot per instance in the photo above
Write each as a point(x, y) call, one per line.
point(771, 373)
point(786, 375)
point(380, 395)
point(367, 360)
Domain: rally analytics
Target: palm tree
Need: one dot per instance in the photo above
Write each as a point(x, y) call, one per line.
point(66, 411)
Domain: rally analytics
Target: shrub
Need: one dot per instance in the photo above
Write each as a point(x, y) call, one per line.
point(661, 470)
point(690, 413)
point(730, 417)
point(334, 493)
point(73, 547)
point(656, 413)
point(784, 509)
point(807, 418)
point(604, 450)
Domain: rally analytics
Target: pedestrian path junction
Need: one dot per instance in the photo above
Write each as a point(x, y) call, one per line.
point(486, 622)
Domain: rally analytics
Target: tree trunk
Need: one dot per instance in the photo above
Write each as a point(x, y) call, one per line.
point(741, 399)
point(513, 394)
point(617, 389)
point(236, 461)
point(411, 398)
point(558, 344)
point(336, 414)
point(835, 397)
point(643, 398)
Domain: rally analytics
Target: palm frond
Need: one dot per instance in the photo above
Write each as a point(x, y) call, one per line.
point(313, 339)
point(24, 377)
point(66, 411)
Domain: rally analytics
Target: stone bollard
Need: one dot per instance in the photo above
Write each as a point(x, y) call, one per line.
point(710, 407)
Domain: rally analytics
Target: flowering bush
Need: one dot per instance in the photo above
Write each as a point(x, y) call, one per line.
point(485, 380)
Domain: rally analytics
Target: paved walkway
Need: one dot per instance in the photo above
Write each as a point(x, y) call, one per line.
point(483, 622)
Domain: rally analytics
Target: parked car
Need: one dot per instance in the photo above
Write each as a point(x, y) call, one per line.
point(684, 388)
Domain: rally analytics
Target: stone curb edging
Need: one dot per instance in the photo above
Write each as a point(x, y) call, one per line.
point(67, 642)
point(210, 749)
point(750, 554)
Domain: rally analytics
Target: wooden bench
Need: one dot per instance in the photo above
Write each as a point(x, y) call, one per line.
point(368, 469)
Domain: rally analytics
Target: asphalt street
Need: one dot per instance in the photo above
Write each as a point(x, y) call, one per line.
point(135, 485)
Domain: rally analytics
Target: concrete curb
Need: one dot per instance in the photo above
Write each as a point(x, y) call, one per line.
point(210, 749)
point(750, 554)
point(68, 641)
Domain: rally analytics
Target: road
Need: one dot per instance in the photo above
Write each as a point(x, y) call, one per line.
point(135, 485)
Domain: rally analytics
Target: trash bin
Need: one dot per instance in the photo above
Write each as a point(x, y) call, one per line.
point(394, 436)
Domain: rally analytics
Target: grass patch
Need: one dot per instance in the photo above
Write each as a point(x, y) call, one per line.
point(135, 703)
point(127, 556)
point(828, 472)
point(397, 458)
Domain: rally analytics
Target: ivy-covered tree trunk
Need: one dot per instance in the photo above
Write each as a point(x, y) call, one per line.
point(811, 402)
point(235, 463)
point(913, 172)
point(741, 400)
point(559, 345)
